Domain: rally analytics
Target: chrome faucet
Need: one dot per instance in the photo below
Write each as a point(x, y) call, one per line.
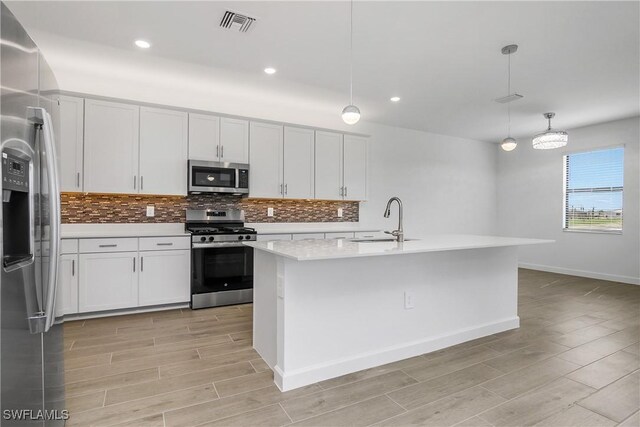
point(398, 234)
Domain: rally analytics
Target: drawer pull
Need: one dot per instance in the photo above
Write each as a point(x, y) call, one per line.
point(164, 244)
point(73, 267)
point(108, 246)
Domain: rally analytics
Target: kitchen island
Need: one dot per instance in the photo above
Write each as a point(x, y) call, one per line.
point(325, 308)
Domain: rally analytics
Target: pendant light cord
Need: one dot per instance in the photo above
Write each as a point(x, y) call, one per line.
point(351, 55)
point(509, 93)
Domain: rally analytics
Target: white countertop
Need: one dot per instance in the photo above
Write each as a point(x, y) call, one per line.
point(308, 227)
point(309, 250)
point(88, 231)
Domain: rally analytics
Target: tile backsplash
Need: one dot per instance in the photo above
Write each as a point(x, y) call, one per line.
point(131, 208)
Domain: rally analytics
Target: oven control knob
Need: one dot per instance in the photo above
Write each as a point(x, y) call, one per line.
point(248, 237)
point(202, 239)
point(211, 239)
point(240, 237)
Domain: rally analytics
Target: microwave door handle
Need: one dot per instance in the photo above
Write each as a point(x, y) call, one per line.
point(54, 217)
point(237, 183)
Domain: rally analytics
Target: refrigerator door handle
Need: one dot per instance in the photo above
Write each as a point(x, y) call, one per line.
point(54, 217)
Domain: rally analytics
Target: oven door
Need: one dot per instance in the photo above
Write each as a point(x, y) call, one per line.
point(224, 268)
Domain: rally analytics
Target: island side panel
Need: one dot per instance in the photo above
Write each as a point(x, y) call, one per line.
point(344, 315)
point(265, 305)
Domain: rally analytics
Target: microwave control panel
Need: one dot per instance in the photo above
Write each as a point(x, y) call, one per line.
point(243, 178)
point(15, 173)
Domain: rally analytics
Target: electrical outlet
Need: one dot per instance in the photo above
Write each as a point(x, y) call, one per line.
point(408, 300)
point(339, 212)
point(269, 211)
point(151, 211)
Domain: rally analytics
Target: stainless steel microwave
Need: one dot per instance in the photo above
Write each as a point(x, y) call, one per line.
point(218, 177)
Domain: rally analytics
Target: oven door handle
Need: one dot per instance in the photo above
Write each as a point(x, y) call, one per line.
point(217, 245)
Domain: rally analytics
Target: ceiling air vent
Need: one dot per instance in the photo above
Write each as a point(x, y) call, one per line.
point(233, 20)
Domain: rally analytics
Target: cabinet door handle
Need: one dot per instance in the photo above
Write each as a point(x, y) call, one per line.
point(282, 189)
point(222, 151)
point(341, 191)
point(141, 182)
point(108, 246)
point(346, 192)
point(73, 267)
point(78, 179)
point(164, 244)
point(286, 188)
point(141, 264)
point(217, 151)
point(135, 179)
point(134, 264)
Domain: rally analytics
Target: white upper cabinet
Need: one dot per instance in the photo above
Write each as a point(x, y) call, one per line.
point(265, 170)
point(355, 167)
point(298, 163)
point(163, 151)
point(328, 165)
point(204, 137)
point(70, 139)
point(110, 147)
point(234, 140)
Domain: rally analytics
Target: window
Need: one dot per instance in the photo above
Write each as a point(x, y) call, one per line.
point(593, 190)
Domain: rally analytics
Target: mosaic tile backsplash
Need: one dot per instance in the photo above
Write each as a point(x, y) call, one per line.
point(131, 208)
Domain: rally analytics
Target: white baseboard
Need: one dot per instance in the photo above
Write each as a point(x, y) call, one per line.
point(582, 273)
point(309, 375)
point(121, 312)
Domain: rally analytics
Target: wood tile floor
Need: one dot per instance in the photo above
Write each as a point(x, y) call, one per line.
point(573, 362)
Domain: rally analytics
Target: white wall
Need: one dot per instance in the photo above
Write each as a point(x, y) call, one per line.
point(530, 203)
point(447, 183)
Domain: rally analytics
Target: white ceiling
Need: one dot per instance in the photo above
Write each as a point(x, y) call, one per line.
point(579, 59)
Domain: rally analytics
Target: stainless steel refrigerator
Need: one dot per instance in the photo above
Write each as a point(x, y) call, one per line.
point(31, 342)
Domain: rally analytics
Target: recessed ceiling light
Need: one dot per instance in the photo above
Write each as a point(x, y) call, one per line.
point(143, 44)
point(270, 70)
point(394, 99)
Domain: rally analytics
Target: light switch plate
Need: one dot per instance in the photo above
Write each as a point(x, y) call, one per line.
point(339, 212)
point(269, 211)
point(151, 211)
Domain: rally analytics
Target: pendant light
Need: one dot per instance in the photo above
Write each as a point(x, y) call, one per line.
point(509, 143)
point(550, 138)
point(351, 113)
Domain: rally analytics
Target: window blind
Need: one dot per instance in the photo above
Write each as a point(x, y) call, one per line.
point(593, 190)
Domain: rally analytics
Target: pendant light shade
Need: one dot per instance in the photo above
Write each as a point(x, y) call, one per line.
point(550, 138)
point(508, 144)
point(351, 114)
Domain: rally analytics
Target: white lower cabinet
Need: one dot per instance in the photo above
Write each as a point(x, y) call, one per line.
point(164, 277)
point(108, 281)
point(308, 236)
point(338, 235)
point(370, 235)
point(270, 237)
point(67, 292)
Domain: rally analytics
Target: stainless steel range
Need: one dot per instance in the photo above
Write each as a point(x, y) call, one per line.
point(221, 266)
